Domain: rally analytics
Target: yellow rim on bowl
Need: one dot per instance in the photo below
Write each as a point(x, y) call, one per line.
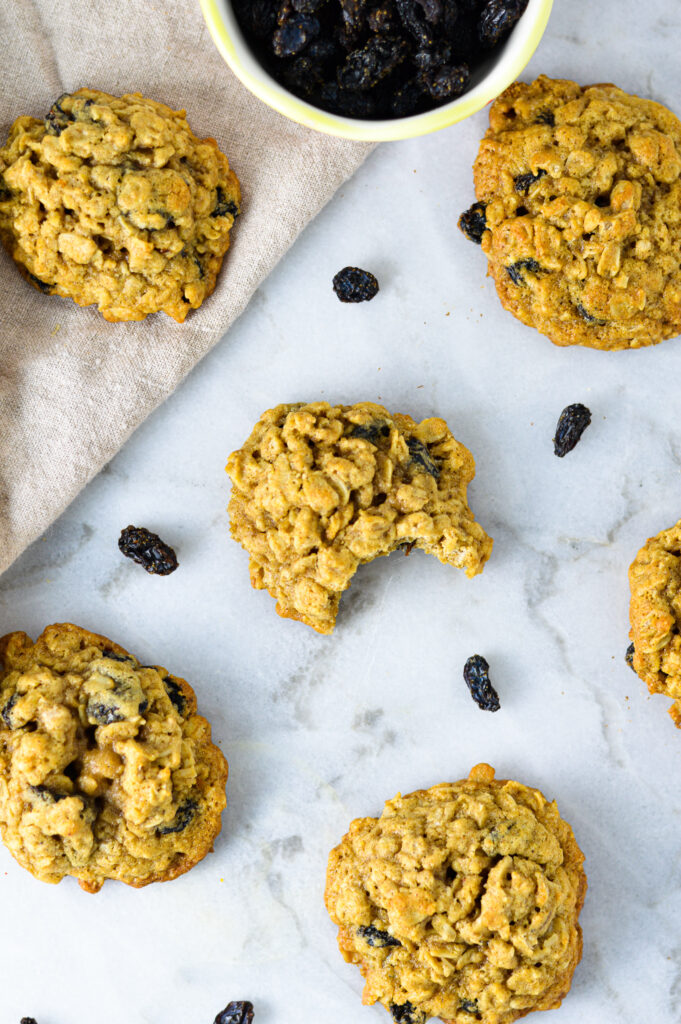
point(275, 96)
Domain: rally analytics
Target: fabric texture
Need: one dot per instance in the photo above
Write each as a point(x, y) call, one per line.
point(72, 386)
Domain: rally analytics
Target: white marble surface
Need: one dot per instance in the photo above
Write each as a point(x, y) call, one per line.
point(321, 730)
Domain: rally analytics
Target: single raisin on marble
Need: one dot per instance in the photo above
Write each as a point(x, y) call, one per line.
point(406, 1013)
point(352, 284)
point(476, 677)
point(183, 817)
point(523, 182)
point(376, 938)
point(498, 18)
point(572, 423)
point(629, 657)
point(147, 549)
point(473, 222)
point(236, 1013)
point(516, 270)
point(28, 1020)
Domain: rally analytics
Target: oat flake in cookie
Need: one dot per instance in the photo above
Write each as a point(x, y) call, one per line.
point(476, 887)
point(655, 614)
point(320, 489)
point(581, 192)
point(115, 202)
point(106, 769)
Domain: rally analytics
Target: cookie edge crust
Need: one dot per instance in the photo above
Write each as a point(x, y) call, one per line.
point(572, 333)
point(483, 775)
point(218, 762)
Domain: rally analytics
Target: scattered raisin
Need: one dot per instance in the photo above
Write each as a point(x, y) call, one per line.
point(236, 1013)
point(147, 549)
point(476, 676)
point(469, 1005)
point(473, 222)
point(421, 457)
point(629, 657)
point(515, 271)
point(183, 817)
point(498, 18)
point(405, 1013)
point(572, 423)
point(523, 182)
point(351, 284)
point(376, 938)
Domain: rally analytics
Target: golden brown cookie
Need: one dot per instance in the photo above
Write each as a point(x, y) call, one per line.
point(579, 213)
point(461, 902)
point(114, 201)
point(655, 615)
point(106, 769)
point(320, 489)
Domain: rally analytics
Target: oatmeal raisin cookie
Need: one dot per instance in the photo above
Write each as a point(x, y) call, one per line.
point(320, 489)
point(579, 212)
point(460, 902)
point(106, 769)
point(114, 201)
point(655, 614)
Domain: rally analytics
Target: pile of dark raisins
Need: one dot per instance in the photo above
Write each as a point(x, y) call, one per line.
point(375, 58)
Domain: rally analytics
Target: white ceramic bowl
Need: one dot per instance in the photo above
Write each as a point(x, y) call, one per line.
point(502, 67)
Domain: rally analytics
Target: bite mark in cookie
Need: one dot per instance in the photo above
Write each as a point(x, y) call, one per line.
point(320, 490)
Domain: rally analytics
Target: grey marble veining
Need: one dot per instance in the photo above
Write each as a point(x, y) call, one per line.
point(319, 730)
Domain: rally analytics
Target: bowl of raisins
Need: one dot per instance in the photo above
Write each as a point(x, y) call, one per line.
point(376, 70)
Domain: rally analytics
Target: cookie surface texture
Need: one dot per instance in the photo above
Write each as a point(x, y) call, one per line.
point(319, 489)
point(582, 195)
point(115, 202)
point(655, 615)
point(106, 769)
point(460, 902)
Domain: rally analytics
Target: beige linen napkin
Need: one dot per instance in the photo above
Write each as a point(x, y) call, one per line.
point(73, 387)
